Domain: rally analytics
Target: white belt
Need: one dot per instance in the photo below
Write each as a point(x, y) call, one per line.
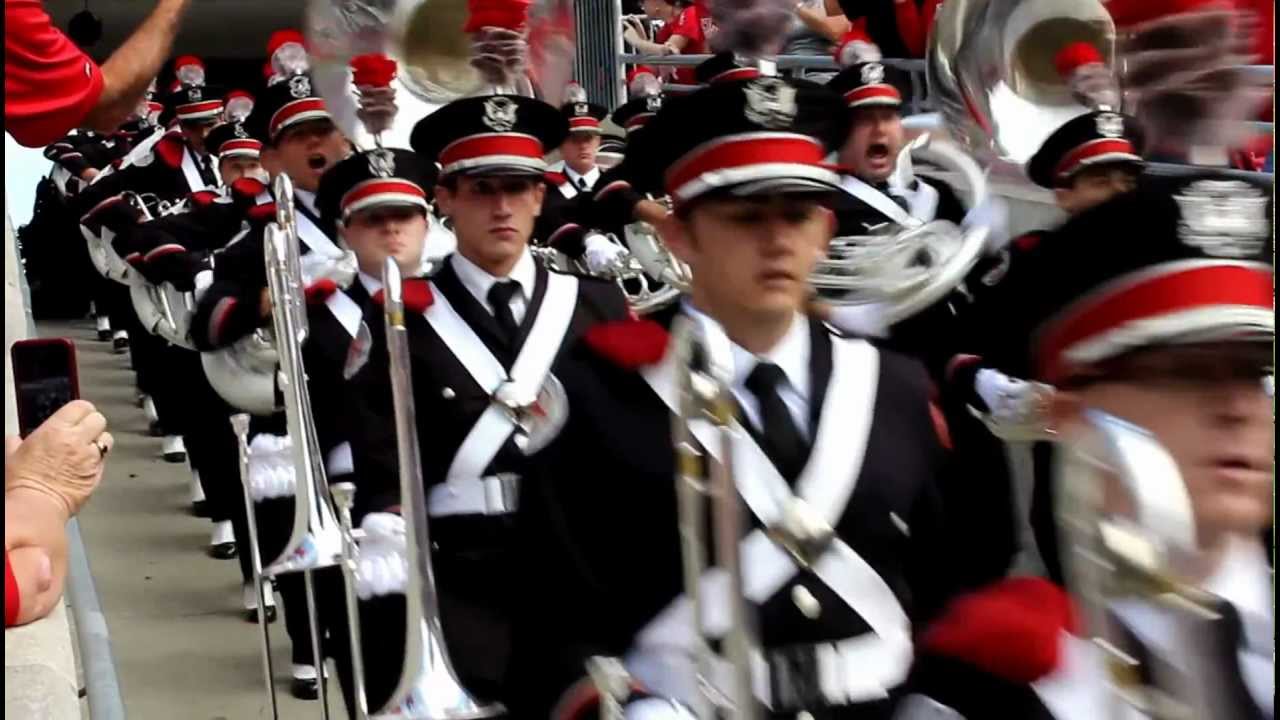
point(491, 495)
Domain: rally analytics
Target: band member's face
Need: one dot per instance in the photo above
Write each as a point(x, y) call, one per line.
point(306, 150)
point(194, 133)
point(1209, 407)
point(1094, 186)
point(492, 216)
point(382, 232)
point(233, 168)
point(579, 151)
point(751, 256)
point(871, 151)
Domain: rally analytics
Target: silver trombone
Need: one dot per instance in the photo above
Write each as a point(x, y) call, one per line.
point(429, 688)
point(315, 541)
point(240, 425)
point(705, 396)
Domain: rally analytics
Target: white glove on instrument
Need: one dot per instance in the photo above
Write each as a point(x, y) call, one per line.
point(1017, 408)
point(653, 708)
point(341, 269)
point(203, 280)
point(383, 567)
point(271, 471)
point(993, 213)
point(601, 253)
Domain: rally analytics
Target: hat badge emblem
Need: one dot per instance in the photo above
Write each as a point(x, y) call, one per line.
point(770, 102)
point(1110, 125)
point(653, 103)
point(382, 163)
point(1223, 218)
point(300, 86)
point(239, 131)
point(872, 73)
point(581, 109)
point(195, 94)
point(500, 114)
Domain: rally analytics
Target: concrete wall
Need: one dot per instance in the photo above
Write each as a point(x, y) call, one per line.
point(39, 662)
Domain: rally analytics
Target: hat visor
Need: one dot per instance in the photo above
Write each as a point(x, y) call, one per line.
point(1213, 324)
point(500, 171)
point(781, 186)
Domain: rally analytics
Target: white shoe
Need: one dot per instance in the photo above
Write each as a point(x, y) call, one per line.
point(120, 342)
point(304, 672)
point(250, 599)
point(104, 328)
point(149, 409)
point(173, 449)
point(222, 545)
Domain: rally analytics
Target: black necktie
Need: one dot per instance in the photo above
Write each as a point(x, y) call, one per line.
point(206, 171)
point(500, 300)
point(781, 440)
point(582, 183)
point(901, 201)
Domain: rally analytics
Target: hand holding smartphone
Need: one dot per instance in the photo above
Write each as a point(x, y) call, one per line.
point(45, 379)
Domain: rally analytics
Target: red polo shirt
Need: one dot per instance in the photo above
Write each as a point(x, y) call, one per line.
point(49, 84)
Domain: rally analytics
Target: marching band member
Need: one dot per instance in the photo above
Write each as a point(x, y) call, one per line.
point(576, 171)
point(299, 138)
point(490, 313)
point(378, 202)
point(1090, 160)
point(1160, 311)
point(846, 426)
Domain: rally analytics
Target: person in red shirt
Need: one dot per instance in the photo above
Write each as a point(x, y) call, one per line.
point(682, 33)
point(51, 86)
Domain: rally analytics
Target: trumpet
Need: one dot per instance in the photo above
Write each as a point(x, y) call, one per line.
point(429, 688)
point(1127, 520)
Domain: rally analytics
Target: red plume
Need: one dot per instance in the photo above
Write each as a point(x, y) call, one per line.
point(856, 46)
point(280, 37)
point(506, 14)
point(1075, 56)
point(373, 70)
point(1012, 629)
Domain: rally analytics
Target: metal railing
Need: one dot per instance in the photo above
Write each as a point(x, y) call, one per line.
point(919, 100)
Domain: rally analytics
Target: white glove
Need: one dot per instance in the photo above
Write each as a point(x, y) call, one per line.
point(994, 214)
point(601, 253)
point(203, 280)
point(866, 320)
point(383, 567)
point(1017, 408)
point(653, 708)
point(271, 471)
point(341, 269)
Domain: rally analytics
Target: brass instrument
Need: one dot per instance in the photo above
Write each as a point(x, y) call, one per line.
point(429, 688)
point(1129, 532)
point(990, 68)
point(240, 426)
point(643, 295)
point(705, 396)
point(316, 539)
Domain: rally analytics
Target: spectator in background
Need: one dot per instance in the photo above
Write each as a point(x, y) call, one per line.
point(899, 27)
point(681, 33)
point(47, 479)
point(815, 29)
point(51, 86)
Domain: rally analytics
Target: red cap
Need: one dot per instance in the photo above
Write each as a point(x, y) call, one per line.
point(280, 37)
point(185, 60)
point(238, 93)
point(1074, 56)
point(508, 14)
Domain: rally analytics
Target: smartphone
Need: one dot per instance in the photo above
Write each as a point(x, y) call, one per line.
point(45, 378)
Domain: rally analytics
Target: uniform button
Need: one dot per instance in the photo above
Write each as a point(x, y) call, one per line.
point(448, 393)
point(805, 602)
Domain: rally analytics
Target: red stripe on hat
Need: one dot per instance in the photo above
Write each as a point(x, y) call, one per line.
point(735, 74)
point(240, 145)
point(204, 107)
point(867, 93)
point(583, 122)
point(1148, 295)
point(381, 186)
point(1093, 149)
point(296, 111)
point(475, 147)
point(742, 151)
